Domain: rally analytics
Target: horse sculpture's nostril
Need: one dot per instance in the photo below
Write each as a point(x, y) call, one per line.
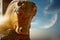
point(19, 30)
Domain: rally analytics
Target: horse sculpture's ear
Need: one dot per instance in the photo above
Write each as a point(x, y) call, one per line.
point(34, 8)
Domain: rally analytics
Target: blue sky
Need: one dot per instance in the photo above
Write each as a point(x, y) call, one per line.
point(47, 19)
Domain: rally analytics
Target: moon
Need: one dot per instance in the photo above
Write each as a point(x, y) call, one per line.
point(51, 22)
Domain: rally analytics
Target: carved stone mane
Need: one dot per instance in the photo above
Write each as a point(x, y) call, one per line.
point(5, 5)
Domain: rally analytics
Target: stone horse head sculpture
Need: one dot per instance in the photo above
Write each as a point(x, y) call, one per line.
point(20, 15)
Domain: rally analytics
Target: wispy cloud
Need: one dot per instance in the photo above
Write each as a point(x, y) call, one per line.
point(46, 8)
point(34, 22)
point(54, 5)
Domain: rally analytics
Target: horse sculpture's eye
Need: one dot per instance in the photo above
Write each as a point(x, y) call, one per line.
point(20, 3)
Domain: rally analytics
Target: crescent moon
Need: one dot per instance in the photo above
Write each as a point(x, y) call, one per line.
point(52, 22)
